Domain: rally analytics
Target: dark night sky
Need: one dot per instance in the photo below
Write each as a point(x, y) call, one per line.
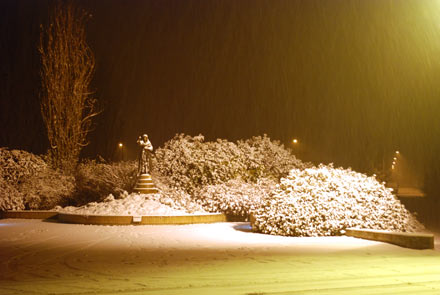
point(352, 80)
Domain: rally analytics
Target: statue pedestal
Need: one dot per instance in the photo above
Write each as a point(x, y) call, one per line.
point(145, 185)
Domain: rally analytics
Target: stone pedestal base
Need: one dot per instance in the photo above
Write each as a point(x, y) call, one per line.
point(145, 185)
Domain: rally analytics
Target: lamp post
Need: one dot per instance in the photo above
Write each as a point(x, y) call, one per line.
point(395, 170)
point(295, 143)
point(121, 151)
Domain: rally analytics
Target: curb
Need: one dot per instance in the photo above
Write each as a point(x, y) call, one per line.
point(408, 240)
point(116, 219)
point(27, 214)
point(140, 220)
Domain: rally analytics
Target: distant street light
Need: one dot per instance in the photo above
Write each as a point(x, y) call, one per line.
point(121, 150)
point(295, 140)
point(397, 152)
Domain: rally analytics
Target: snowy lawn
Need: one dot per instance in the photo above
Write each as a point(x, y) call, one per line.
point(39, 257)
point(133, 204)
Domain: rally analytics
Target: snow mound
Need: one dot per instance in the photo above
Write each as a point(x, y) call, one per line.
point(324, 201)
point(133, 204)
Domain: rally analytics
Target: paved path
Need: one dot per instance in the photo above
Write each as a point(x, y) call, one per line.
point(38, 257)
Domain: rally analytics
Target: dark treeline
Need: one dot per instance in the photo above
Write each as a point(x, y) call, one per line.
point(352, 80)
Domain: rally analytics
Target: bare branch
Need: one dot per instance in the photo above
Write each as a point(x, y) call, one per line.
point(67, 67)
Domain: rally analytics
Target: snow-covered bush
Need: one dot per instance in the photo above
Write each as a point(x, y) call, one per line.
point(94, 181)
point(10, 197)
point(16, 165)
point(176, 198)
point(47, 189)
point(27, 182)
point(235, 198)
point(191, 163)
point(324, 201)
point(266, 158)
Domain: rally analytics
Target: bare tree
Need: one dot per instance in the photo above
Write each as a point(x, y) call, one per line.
point(67, 68)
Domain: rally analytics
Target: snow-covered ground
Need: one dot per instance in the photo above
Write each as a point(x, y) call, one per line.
point(39, 257)
point(132, 204)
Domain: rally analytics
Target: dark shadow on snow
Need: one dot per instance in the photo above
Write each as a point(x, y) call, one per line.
point(244, 227)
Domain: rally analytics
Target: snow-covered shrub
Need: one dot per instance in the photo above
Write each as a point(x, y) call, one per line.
point(27, 182)
point(324, 201)
point(10, 197)
point(16, 165)
point(191, 163)
point(264, 158)
point(47, 189)
point(94, 181)
point(235, 198)
point(176, 198)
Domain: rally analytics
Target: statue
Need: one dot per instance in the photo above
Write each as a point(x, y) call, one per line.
point(145, 155)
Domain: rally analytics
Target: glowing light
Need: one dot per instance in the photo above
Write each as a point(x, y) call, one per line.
point(397, 152)
point(394, 163)
point(295, 140)
point(392, 167)
point(120, 145)
point(394, 158)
